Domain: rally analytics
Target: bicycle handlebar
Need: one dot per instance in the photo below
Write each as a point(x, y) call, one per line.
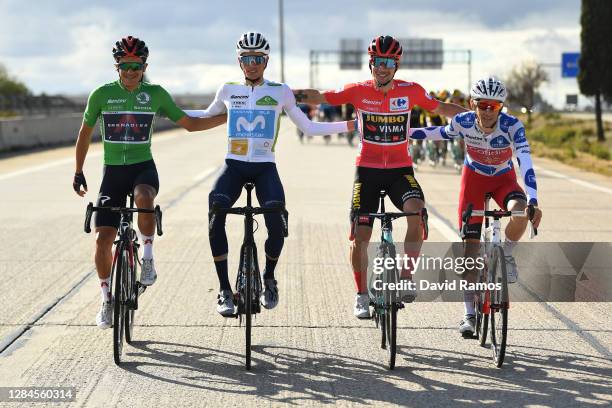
point(469, 212)
point(251, 211)
point(123, 210)
point(395, 215)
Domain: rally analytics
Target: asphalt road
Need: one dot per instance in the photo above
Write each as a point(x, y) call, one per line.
point(310, 350)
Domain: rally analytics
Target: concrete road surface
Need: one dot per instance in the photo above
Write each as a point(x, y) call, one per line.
point(310, 350)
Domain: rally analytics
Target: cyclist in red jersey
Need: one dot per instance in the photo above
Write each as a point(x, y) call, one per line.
point(383, 106)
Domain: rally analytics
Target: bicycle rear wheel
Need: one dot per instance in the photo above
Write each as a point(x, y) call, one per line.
point(499, 307)
point(119, 302)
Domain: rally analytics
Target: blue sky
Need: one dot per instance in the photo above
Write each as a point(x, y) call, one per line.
point(63, 46)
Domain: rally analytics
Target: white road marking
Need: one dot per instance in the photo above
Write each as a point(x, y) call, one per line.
point(33, 169)
point(574, 180)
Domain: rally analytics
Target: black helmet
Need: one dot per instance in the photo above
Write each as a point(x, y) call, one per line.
point(130, 47)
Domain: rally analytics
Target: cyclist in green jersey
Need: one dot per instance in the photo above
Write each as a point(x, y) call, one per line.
point(127, 108)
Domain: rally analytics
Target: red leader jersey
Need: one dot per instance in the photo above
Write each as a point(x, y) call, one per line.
point(384, 120)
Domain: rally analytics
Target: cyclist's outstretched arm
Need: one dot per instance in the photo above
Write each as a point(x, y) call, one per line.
point(448, 109)
point(309, 127)
point(430, 133)
point(192, 124)
point(309, 96)
point(216, 107)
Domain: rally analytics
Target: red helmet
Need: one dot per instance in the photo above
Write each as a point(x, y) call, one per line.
point(130, 47)
point(385, 46)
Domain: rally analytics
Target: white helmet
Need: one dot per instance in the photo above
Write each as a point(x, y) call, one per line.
point(489, 88)
point(252, 42)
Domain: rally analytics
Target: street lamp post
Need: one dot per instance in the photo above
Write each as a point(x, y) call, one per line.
point(282, 40)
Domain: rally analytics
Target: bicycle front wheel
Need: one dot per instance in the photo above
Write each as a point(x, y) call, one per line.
point(391, 328)
point(248, 299)
point(132, 294)
point(499, 307)
point(121, 273)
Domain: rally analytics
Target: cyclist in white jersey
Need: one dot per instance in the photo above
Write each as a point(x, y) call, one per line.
point(254, 107)
point(491, 139)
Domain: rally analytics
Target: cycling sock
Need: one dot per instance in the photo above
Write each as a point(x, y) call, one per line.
point(270, 266)
point(468, 302)
point(224, 283)
point(105, 289)
point(509, 246)
point(359, 282)
point(148, 246)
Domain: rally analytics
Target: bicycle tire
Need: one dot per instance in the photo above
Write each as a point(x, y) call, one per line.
point(132, 294)
point(248, 304)
point(482, 319)
point(390, 308)
point(118, 305)
point(499, 324)
point(391, 323)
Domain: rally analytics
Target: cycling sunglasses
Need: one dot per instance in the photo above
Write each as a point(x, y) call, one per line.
point(387, 62)
point(489, 105)
point(252, 59)
point(134, 66)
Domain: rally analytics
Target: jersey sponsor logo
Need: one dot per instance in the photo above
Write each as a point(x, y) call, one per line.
point(500, 142)
point(113, 101)
point(405, 84)
point(143, 98)
point(249, 123)
point(398, 104)
point(239, 147)
point(385, 128)
point(237, 104)
point(127, 127)
point(488, 156)
point(267, 101)
point(239, 97)
point(466, 121)
point(371, 102)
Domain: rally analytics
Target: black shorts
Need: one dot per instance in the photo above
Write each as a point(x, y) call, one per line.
point(117, 183)
point(399, 183)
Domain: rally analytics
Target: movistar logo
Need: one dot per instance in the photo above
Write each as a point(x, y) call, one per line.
point(267, 100)
point(243, 123)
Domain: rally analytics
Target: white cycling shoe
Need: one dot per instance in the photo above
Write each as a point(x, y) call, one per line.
point(104, 318)
point(361, 310)
point(148, 275)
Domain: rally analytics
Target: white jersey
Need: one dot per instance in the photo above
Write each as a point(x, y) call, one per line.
point(254, 116)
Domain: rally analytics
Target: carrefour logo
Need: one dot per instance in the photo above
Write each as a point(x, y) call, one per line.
point(251, 123)
point(398, 104)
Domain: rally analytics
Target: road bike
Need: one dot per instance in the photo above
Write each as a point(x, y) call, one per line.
point(386, 289)
point(493, 303)
point(124, 274)
point(248, 281)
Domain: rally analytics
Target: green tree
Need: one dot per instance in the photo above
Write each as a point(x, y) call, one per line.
point(523, 83)
point(10, 86)
point(594, 78)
